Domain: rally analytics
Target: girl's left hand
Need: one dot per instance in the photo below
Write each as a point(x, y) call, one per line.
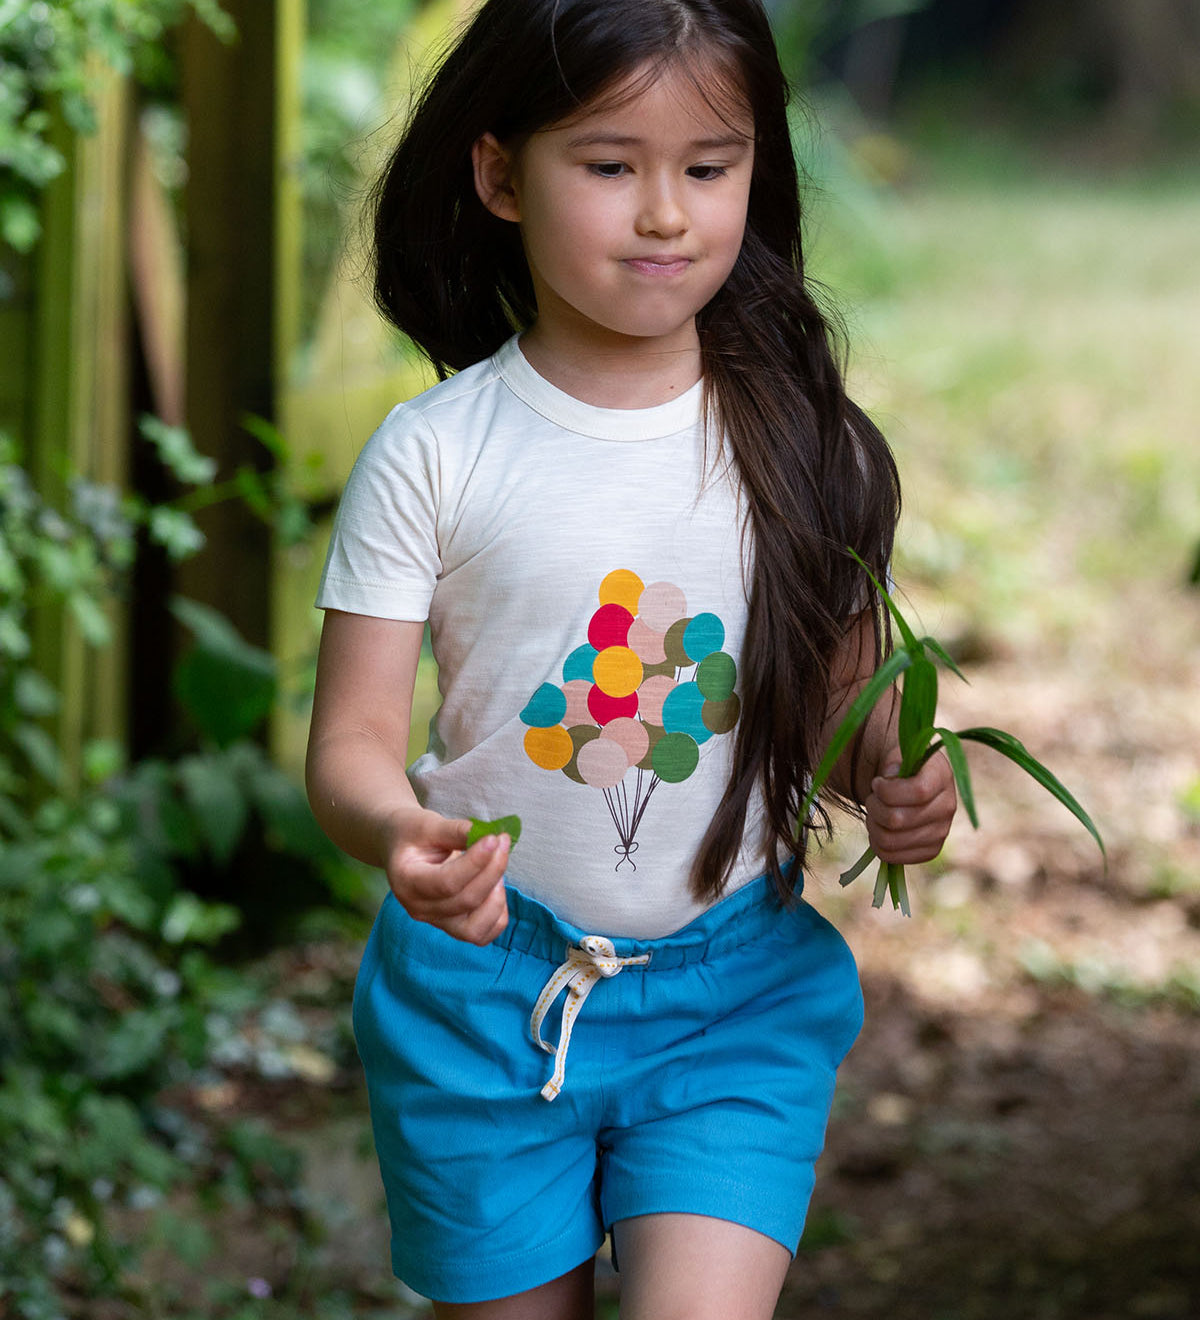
point(908, 819)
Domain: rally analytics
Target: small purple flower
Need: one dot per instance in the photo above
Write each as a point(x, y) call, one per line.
point(259, 1288)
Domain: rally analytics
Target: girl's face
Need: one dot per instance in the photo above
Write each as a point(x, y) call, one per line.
point(631, 214)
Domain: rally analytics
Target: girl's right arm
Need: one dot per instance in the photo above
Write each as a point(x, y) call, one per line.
point(360, 793)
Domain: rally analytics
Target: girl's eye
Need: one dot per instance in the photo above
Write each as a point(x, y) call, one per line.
point(608, 169)
point(706, 172)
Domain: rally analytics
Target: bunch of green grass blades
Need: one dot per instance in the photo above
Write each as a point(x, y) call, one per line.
point(920, 739)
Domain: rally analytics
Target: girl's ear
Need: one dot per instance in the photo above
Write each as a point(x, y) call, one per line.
point(493, 177)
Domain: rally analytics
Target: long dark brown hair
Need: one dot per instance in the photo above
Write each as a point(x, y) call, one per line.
point(816, 474)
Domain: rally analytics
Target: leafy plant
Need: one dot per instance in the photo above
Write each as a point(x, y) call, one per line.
point(111, 992)
point(920, 739)
point(49, 53)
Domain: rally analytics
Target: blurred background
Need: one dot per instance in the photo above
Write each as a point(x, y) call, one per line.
point(1004, 206)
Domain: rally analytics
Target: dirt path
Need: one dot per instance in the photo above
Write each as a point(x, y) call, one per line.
point(1018, 1130)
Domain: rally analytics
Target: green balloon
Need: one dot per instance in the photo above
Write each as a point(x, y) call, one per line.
point(674, 757)
point(716, 675)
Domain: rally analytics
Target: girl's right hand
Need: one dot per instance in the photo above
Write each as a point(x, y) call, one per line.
point(439, 880)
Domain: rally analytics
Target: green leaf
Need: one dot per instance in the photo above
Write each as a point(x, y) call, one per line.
point(227, 685)
point(175, 449)
point(952, 745)
point(34, 695)
point(898, 887)
point(91, 618)
point(852, 721)
point(176, 532)
point(20, 224)
point(132, 1045)
point(910, 637)
point(217, 803)
point(1015, 750)
point(189, 920)
point(858, 868)
point(944, 656)
point(918, 707)
point(41, 750)
point(510, 825)
point(268, 435)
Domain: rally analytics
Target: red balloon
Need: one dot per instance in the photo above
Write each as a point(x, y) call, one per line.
point(609, 626)
point(605, 708)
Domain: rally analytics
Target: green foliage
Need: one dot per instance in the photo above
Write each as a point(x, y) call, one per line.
point(109, 994)
point(920, 738)
point(111, 991)
point(49, 56)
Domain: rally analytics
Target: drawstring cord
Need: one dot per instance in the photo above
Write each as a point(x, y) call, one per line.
point(593, 960)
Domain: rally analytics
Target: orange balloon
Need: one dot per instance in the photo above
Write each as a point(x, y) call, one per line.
point(617, 671)
point(551, 748)
point(623, 588)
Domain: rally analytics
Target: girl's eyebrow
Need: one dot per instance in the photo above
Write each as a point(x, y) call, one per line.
point(603, 139)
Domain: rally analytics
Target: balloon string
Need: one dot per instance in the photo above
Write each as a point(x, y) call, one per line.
point(612, 811)
point(625, 820)
point(623, 799)
point(641, 810)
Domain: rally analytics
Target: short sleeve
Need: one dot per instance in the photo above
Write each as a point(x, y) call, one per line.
point(383, 555)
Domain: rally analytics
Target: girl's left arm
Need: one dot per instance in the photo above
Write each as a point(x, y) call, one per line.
point(907, 819)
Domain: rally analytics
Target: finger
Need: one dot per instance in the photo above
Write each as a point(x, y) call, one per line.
point(486, 922)
point(921, 832)
point(453, 888)
point(885, 816)
point(481, 867)
point(917, 838)
point(913, 791)
point(443, 832)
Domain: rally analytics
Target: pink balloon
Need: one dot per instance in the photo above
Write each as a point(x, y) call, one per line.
point(660, 605)
point(630, 735)
point(602, 763)
point(576, 693)
point(645, 643)
point(651, 695)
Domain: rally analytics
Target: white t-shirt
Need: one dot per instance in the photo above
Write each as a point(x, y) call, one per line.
point(581, 571)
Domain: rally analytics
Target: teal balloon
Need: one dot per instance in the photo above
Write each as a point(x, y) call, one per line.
point(674, 757)
point(579, 664)
point(704, 635)
point(546, 707)
point(683, 712)
point(716, 676)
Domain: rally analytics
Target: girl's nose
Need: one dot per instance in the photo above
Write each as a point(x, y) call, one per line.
point(661, 214)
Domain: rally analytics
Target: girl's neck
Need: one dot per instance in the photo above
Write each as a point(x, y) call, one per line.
point(621, 372)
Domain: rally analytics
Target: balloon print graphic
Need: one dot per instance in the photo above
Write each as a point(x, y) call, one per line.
point(638, 699)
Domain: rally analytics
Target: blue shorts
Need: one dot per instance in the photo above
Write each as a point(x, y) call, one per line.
point(697, 1080)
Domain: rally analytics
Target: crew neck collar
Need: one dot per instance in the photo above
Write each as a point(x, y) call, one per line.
point(573, 414)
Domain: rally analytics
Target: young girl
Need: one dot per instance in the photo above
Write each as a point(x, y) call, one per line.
point(626, 520)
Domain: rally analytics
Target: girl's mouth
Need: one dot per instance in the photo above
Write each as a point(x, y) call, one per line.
point(658, 266)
